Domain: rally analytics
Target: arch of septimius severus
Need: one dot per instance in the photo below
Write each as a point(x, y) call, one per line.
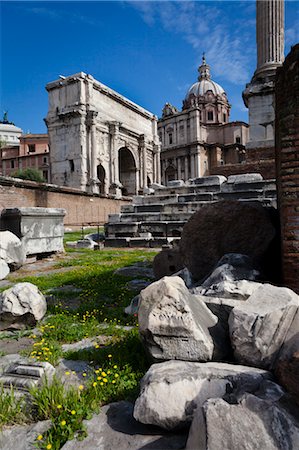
point(100, 141)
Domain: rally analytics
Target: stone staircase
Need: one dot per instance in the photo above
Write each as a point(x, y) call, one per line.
point(158, 218)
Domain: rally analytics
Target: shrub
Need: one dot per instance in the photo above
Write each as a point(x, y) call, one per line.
point(29, 174)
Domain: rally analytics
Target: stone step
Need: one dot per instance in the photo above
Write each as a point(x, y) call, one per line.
point(155, 242)
point(196, 196)
point(253, 194)
point(154, 207)
point(149, 199)
point(25, 376)
point(163, 228)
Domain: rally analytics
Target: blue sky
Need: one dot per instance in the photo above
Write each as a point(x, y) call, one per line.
point(147, 51)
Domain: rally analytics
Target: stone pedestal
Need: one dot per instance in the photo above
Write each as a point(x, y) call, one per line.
point(40, 229)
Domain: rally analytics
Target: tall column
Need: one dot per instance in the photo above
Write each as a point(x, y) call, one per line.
point(115, 182)
point(259, 93)
point(93, 179)
point(269, 34)
point(197, 162)
point(142, 147)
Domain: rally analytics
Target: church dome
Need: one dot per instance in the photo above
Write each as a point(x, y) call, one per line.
point(204, 83)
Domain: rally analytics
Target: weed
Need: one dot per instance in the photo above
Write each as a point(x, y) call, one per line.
point(11, 408)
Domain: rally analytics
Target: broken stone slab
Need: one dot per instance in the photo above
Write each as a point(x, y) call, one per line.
point(136, 270)
point(20, 306)
point(171, 391)
point(4, 269)
point(259, 326)
point(207, 181)
point(253, 423)
point(12, 250)
point(148, 191)
point(244, 178)
point(24, 373)
point(173, 323)
point(239, 290)
point(287, 364)
point(133, 307)
point(176, 183)
point(95, 237)
point(137, 285)
point(232, 267)
point(71, 244)
point(85, 243)
point(167, 262)
point(115, 428)
point(23, 437)
point(40, 229)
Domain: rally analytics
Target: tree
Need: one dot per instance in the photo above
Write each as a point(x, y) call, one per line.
point(29, 174)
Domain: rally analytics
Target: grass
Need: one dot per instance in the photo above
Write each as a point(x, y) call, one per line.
point(11, 408)
point(76, 235)
point(92, 305)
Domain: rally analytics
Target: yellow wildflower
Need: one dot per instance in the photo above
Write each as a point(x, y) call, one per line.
point(49, 446)
point(67, 372)
point(62, 423)
point(94, 384)
point(73, 412)
point(59, 406)
point(39, 437)
point(81, 387)
point(109, 356)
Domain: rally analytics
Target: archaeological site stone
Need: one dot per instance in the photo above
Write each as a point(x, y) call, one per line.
point(167, 262)
point(12, 249)
point(173, 323)
point(20, 306)
point(171, 391)
point(287, 363)
point(227, 227)
point(23, 437)
point(259, 326)
point(4, 269)
point(115, 428)
point(40, 229)
point(253, 423)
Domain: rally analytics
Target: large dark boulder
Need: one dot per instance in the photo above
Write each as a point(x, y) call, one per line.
point(231, 227)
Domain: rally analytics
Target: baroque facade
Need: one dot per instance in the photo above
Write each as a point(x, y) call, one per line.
point(100, 141)
point(200, 136)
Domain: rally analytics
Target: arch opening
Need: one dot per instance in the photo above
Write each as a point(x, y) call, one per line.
point(127, 171)
point(101, 174)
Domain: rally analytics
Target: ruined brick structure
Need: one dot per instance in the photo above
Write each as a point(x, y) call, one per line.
point(287, 164)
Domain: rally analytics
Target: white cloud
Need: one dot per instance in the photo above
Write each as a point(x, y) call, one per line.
point(204, 26)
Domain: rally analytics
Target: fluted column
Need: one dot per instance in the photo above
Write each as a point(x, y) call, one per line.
point(269, 33)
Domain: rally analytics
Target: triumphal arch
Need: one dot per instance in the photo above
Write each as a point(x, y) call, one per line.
point(100, 141)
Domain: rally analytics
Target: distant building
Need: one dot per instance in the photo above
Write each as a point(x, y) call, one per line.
point(200, 136)
point(31, 152)
point(101, 142)
point(9, 133)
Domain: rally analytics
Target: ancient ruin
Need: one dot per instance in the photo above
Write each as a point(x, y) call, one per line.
point(100, 141)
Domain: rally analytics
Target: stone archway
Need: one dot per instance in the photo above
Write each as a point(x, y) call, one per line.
point(101, 174)
point(170, 174)
point(127, 171)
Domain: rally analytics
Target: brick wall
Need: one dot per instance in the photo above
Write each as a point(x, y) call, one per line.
point(80, 208)
point(265, 168)
point(287, 164)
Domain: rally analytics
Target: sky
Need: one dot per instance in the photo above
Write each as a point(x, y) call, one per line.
point(147, 51)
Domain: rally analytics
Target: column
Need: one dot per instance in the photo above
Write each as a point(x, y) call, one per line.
point(142, 147)
point(186, 169)
point(197, 162)
point(179, 167)
point(192, 165)
point(157, 149)
point(269, 33)
point(114, 131)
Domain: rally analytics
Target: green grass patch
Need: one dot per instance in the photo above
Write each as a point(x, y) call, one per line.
point(115, 376)
point(86, 299)
point(11, 408)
